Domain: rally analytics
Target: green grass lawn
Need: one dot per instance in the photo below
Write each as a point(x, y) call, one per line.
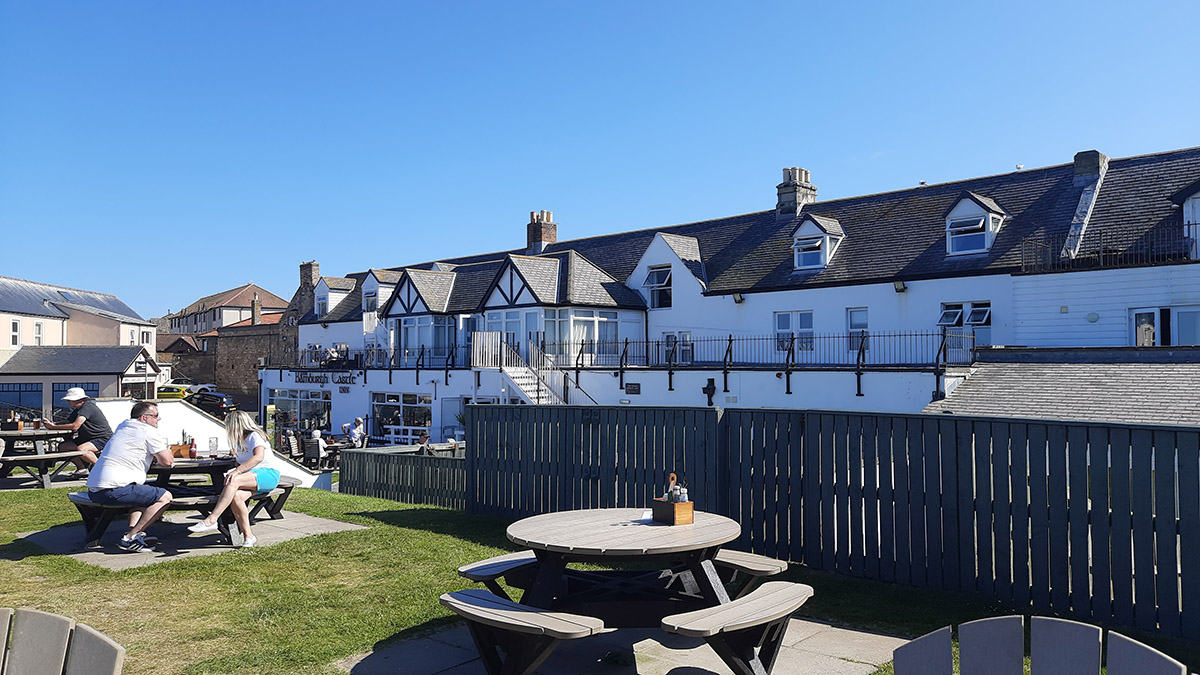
point(298, 606)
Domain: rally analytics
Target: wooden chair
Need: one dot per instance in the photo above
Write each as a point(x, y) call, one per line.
point(312, 452)
point(48, 643)
point(1057, 646)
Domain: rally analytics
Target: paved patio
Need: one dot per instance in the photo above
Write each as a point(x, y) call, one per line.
point(811, 647)
point(177, 541)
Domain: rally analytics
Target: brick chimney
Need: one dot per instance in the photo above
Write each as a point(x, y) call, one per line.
point(794, 192)
point(255, 310)
point(540, 232)
point(310, 274)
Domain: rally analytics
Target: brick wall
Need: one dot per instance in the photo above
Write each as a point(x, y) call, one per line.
point(238, 352)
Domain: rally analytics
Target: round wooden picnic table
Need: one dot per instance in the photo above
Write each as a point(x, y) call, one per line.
point(683, 577)
point(45, 442)
point(39, 437)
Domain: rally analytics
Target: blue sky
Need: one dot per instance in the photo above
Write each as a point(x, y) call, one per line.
point(163, 151)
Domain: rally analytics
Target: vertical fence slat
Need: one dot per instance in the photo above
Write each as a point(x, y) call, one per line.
point(916, 502)
point(965, 441)
point(1122, 528)
point(1060, 571)
point(871, 497)
point(887, 507)
point(854, 452)
point(1189, 532)
point(900, 468)
point(827, 472)
point(812, 490)
point(1166, 532)
point(1039, 518)
point(1002, 511)
point(1019, 495)
point(948, 449)
point(772, 477)
point(985, 582)
point(798, 487)
point(841, 494)
point(1098, 472)
point(1144, 606)
point(934, 559)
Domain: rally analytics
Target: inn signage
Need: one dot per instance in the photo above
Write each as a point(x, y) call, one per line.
point(326, 378)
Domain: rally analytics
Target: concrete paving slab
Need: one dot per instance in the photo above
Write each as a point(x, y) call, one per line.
point(177, 541)
point(839, 651)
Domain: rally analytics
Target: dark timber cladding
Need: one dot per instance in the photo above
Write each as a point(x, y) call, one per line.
point(1042, 516)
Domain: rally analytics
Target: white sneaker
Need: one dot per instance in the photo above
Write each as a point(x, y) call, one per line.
point(202, 527)
point(249, 542)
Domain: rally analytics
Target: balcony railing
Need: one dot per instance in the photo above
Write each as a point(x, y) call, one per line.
point(1104, 249)
point(860, 348)
point(357, 359)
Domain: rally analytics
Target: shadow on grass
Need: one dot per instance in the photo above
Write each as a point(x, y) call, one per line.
point(483, 530)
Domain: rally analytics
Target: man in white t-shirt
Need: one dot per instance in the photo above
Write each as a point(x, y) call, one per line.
point(119, 476)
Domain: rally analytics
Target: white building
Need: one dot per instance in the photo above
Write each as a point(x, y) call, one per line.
point(870, 303)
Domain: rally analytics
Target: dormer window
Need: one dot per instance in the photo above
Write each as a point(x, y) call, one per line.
point(370, 302)
point(815, 241)
point(322, 307)
point(658, 284)
point(972, 223)
point(967, 235)
point(808, 252)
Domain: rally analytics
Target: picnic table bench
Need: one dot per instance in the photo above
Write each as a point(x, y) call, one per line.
point(42, 467)
point(97, 517)
point(525, 635)
point(48, 643)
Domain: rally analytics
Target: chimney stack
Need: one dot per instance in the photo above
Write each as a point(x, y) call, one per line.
point(540, 232)
point(1090, 167)
point(255, 310)
point(794, 192)
point(310, 274)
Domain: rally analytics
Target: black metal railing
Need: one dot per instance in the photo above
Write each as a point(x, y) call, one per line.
point(1108, 249)
point(427, 357)
point(858, 348)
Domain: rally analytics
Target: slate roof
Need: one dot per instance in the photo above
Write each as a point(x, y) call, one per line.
point(19, 296)
point(264, 320)
point(236, 297)
point(541, 275)
point(901, 235)
point(434, 287)
point(165, 342)
point(71, 360)
point(1084, 388)
point(826, 224)
point(339, 283)
point(387, 276)
point(688, 250)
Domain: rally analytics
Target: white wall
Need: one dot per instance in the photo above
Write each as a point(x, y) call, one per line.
point(348, 332)
point(1039, 301)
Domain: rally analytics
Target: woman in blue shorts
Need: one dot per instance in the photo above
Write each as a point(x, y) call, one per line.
point(257, 471)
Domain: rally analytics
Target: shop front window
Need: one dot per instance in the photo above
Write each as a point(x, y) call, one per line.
point(401, 418)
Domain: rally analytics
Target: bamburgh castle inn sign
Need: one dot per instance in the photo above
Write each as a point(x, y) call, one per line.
point(344, 379)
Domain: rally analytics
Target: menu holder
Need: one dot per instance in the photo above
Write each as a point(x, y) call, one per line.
point(183, 451)
point(12, 426)
point(673, 513)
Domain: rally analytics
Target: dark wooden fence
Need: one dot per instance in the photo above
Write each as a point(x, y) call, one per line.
point(1074, 519)
point(404, 477)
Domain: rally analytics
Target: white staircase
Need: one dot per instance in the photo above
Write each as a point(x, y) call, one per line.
point(539, 381)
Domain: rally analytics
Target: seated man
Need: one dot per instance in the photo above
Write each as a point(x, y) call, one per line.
point(355, 433)
point(423, 444)
point(119, 476)
point(90, 426)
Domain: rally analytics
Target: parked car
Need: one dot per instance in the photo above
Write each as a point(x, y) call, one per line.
point(172, 391)
point(192, 386)
point(212, 402)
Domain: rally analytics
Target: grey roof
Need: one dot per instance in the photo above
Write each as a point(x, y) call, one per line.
point(75, 307)
point(18, 296)
point(688, 250)
point(471, 284)
point(339, 283)
point(71, 360)
point(434, 287)
point(588, 285)
point(387, 276)
point(541, 274)
point(901, 235)
point(1100, 391)
point(986, 202)
point(826, 224)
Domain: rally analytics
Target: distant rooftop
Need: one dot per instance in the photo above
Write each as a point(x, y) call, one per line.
point(20, 296)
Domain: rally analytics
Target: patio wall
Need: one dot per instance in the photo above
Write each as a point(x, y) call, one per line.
point(996, 506)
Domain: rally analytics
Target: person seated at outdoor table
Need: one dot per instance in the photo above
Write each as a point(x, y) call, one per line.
point(91, 429)
point(354, 433)
point(257, 472)
point(423, 446)
point(322, 452)
point(119, 476)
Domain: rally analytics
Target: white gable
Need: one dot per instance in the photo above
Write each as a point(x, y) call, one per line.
point(965, 208)
point(808, 229)
point(510, 290)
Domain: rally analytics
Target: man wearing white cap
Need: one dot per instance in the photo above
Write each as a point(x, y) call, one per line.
point(90, 426)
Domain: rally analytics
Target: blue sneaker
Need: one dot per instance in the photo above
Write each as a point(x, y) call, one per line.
point(135, 544)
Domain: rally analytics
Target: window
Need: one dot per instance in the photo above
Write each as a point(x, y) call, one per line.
point(370, 301)
point(300, 409)
point(16, 333)
point(1165, 326)
point(681, 343)
point(557, 331)
point(401, 418)
point(808, 252)
point(968, 318)
point(434, 333)
point(967, 235)
point(658, 283)
point(37, 333)
point(21, 394)
point(145, 337)
point(794, 324)
point(856, 326)
point(980, 321)
point(132, 339)
point(203, 344)
point(59, 389)
point(951, 315)
point(322, 307)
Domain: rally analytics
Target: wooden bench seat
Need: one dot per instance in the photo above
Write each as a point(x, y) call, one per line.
point(735, 631)
point(515, 639)
point(43, 468)
point(97, 517)
point(48, 643)
point(745, 569)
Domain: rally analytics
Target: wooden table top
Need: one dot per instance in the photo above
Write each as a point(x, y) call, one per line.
point(29, 434)
point(620, 532)
point(182, 464)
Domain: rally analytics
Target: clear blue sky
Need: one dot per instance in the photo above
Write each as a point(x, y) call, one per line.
point(164, 151)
